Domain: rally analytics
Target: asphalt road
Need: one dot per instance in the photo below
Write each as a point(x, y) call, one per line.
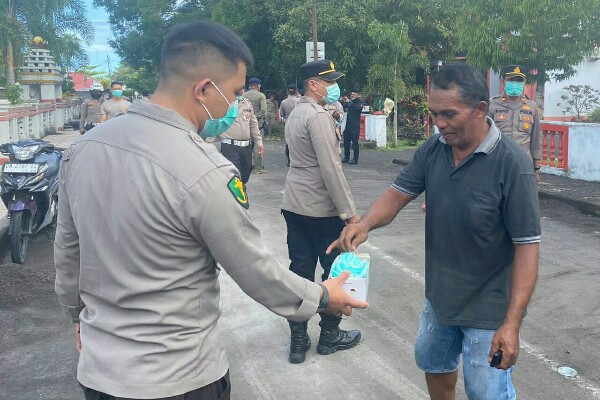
point(37, 344)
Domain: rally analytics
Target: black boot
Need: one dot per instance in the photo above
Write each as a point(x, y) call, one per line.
point(344, 161)
point(333, 338)
point(355, 161)
point(300, 341)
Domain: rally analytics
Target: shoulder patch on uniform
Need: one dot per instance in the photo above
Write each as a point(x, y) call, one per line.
point(236, 187)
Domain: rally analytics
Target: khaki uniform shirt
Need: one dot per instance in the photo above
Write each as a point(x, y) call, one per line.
point(136, 255)
point(90, 112)
point(245, 125)
point(519, 120)
point(286, 107)
point(315, 185)
point(271, 107)
point(112, 108)
point(259, 103)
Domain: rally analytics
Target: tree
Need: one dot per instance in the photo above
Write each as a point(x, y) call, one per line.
point(580, 100)
point(140, 80)
point(430, 24)
point(139, 26)
point(343, 26)
point(276, 31)
point(72, 56)
point(542, 35)
point(14, 36)
point(50, 19)
point(390, 63)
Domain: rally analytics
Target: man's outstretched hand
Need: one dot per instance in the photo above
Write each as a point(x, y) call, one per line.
point(351, 237)
point(340, 301)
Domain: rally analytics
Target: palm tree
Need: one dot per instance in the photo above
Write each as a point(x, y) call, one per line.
point(72, 55)
point(50, 19)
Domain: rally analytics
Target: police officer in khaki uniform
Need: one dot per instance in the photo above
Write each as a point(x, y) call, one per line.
point(258, 100)
point(139, 277)
point(317, 202)
point(259, 104)
point(238, 140)
point(516, 116)
point(285, 109)
point(91, 109)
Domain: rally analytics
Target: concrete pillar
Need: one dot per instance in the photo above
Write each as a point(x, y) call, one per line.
point(48, 93)
point(4, 122)
point(58, 92)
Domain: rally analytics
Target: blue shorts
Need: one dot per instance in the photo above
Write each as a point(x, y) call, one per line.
point(439, 348)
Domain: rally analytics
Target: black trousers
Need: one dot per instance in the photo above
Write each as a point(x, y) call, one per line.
point(307, 239)
point(218, 390)
point(240, 157)
point(351, 138)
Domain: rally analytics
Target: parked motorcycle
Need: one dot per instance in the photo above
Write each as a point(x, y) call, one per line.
point(29, 189)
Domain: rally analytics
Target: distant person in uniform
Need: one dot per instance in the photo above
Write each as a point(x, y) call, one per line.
point(352, 129)
point(117, 105)
point(91, 109)
point(258, 101)
point(285, 109)
point(259, 104)
point(517, 116)
point(237, 141)
point(140, 246)
point(317, 202)
point(270, 115)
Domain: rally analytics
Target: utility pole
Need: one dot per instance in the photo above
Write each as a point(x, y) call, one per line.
point(314, 30)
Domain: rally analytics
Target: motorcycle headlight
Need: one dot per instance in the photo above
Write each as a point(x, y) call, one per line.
point(25, 152)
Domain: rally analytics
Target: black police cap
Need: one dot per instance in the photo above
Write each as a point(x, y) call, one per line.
point(514, 70)
point(323, 69)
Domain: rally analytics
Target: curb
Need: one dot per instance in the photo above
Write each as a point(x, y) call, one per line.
point(584, 207)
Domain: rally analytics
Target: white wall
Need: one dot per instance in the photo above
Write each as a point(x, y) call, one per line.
point(584, 143)
point(588, 73)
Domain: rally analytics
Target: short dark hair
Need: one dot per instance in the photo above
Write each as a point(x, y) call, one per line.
point(113, 83)
point(470, 82)
point(192, 47)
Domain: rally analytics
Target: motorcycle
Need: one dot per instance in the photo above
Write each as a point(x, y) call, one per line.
point(29, 190)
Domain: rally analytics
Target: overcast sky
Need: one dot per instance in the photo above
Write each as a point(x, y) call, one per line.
point(100, 48)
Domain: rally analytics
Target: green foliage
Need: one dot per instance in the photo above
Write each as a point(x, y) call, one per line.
point(276, 31)
point(580, 100)
point(540, 34)
point(72, 55)
point(412, 115)
point(139, 26)
point(13, 94)
point(139, 80)
point(53, 20)
point(277, 131)
point(67, 86)
point(595, 115)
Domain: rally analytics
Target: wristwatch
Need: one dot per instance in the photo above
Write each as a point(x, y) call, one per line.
point(324, 303)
